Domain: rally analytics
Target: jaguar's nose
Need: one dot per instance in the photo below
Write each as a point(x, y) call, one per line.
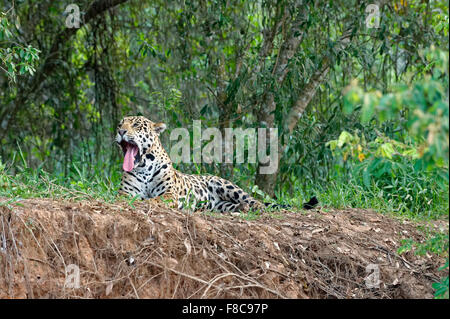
point(122, 132)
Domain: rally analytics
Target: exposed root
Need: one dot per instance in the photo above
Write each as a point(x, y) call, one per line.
point(152, 251)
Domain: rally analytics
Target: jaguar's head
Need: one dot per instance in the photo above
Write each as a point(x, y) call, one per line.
point(136, 135)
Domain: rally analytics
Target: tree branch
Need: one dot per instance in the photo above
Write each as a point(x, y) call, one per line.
point(47, 68)
point(291, 45)
point(293, 39)
point(316, 79)
point(97, 8)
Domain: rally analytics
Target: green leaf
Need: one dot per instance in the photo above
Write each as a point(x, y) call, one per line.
point(344, 138)
point(386, 150)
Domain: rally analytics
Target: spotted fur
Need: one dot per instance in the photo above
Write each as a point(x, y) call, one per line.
point(153, 174)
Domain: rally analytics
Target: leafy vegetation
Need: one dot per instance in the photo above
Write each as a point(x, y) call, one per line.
point(437, 244)
point(15, 58)
point(362, 111)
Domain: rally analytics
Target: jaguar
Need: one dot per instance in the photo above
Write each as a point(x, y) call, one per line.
point(149, 173)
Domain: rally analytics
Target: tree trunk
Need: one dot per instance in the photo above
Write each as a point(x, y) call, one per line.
point(266, 112)
point(267, 182)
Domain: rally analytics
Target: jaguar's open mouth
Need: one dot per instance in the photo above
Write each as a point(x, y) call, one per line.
point(131, 155)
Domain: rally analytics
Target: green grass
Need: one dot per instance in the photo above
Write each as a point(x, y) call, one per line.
point(95, 183)
point(341, 195)
point(32, 183)
point(83, 184)
point(417, 195)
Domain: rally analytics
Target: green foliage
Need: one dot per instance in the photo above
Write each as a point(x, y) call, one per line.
point(217, 62)
point(78, 184)
point(409, 167)
point(387, 169)
point(422, 110)
point(15, 58)
point(437, 244)
point(442, 287)
point(373, 135)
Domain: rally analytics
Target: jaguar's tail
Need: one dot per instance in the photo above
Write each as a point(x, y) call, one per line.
point(311, 203)
point(308, 205)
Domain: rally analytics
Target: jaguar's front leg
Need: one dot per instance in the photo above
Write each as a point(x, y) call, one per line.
point(224, 206)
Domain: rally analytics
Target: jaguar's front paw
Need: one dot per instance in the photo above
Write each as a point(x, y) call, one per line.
point(243, 207)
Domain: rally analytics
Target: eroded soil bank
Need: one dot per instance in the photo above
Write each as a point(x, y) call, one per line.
point(152, 251)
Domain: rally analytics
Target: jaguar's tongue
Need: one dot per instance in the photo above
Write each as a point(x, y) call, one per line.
point(128, 161)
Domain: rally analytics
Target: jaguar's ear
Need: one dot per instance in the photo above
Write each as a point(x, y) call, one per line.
point(159, 128)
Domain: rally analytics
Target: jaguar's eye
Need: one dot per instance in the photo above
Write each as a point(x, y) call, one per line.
point(135, 125)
